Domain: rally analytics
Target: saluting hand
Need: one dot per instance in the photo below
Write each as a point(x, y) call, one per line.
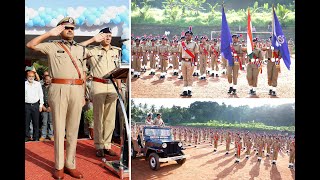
point(57, 30)
point(99, 37)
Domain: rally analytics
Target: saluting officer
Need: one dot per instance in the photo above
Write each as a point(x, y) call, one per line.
point(67, 67)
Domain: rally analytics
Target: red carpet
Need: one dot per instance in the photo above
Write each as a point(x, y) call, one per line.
point(39, 161)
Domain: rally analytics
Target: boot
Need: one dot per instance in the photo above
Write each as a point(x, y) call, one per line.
point(230, 90)
point(184, 93)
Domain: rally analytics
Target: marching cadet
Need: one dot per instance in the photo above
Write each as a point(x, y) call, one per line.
point(163, 50)
point(248, 147)
point(145, 50)
point(238, 149)
point(153, 54)
point(195, 136)
point(233, 71)
point(216, 139)
point(292, 154)
point(215, 52)
point(253, 67)
point(228, 141)
point(137, 57)
point(204, 53)
point(260, 148)
point(276, 148)
point(175, 132)
point(188, 56)
point(221, 137)
point(174, 51)
point(211, 138)
point(269, 143)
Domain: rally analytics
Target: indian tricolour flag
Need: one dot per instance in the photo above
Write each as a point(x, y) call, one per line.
point(249, 36)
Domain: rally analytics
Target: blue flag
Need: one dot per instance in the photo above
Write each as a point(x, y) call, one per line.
point(226, 39)
point(279, 41)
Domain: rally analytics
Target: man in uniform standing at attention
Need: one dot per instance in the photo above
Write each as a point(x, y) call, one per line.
point(136, 61)
point(215, 140)
point(276, 148)
point(228, 141)
point(103, 59)
point(253, 67)
point(175, 61)
point(215, 52)
point(204, 53)
point(292, 154)
point(188, 55)
point(152, 55)
point(233, 71)
point(67, 68)
point(163, 50)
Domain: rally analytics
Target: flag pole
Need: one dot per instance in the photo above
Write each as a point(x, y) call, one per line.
point(272, 49)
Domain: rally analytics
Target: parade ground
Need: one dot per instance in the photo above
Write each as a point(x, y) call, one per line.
point(202, 164)
point(39, 161)
point(148, 86)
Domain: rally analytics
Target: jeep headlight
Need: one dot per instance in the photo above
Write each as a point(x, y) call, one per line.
point(164, 145)
point(180, 144)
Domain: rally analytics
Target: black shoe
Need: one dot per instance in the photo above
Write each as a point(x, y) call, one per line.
point(151, 73)
point(257, 154)
point(230, 90)
point(135, 76)
point(235, 154)
point(184, 93)
point(270, 91)
point(259, 160)
point(274, 93)
point(212, 74)
point(181, 77)
point(227, 153)
point(214, 150)
point(223, 72)
point(236, 162)
point(194, 74)
point(247, 157)
point(217, 75)
point(253, 93)
point(197, 74)
point(189, 93)
point(234, 92)
point(267, 155)
point(138, 76)
point(250, 92)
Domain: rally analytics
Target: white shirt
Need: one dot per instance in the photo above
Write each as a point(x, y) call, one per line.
point(33, 92)
point(158, 122)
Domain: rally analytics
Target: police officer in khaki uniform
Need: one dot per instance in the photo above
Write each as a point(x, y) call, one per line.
point(273, 67)
point(292, 154)
point(204, 53)
point(174, 51)
point(137, 57)
point(103, 59)
point(145, 49)
point(67, 67)
point(233, 71)
point(276, 148)
point(163, 50)
point(248, 147)
point(188, 62)
point(253, 67)
point(215, 140)
point(228, 141)
point(153, 54)
point(215, 52)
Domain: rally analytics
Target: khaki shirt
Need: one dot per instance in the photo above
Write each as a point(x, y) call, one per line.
point(204, 46)
point(192, 46)
point(237, 47)
point(257, 53)
point(137, 50)
point(174, 49)
point(163, 49)
point(103, 60)
point(153, 49)
point(60, 63)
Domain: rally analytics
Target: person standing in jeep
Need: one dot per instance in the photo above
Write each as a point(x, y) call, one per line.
point(158, 120)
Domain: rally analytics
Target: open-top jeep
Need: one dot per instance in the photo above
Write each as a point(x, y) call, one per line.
point(157, 145)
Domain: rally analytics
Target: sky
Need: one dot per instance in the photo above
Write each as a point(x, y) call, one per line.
point(35, 4)
point(252, 102)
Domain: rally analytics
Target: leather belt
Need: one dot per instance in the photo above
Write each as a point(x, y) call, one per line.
point(32, 104)
point(105, 81)
point(186, 59)
point(68, 81)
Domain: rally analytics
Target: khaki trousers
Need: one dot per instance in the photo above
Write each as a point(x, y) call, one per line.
point(145, 59)
point(104, 112)
point(273, 73)
point(203, 64)
point(175, 62)
point(292, 156)
point(187, 70)
point(152, 61)
point(136, 63)
point(66, 102)
point(214, 63)
point(164, 64)
point(227, 146)
point(252, 74)
point(232, 73)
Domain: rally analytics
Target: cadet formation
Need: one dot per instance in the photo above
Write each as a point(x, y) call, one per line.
point(190, 55)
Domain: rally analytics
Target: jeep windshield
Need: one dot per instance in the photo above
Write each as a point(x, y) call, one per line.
point(158, 133)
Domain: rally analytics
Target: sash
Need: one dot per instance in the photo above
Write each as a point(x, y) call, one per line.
point(259, 64)
point(204, 50)
point(236, 57)
point(187, 50)
point(216, 53)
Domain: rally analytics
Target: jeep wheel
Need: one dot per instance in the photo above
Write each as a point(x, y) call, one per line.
point(154, 161)
point(181, 161)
